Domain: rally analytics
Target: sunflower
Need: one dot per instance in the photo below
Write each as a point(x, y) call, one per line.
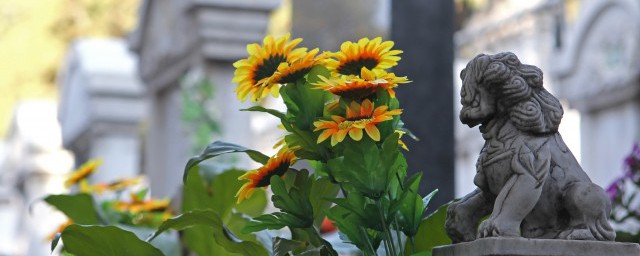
point(291, 72)
point(59, 230)
point(372, 54)
point(260, 177)
point(358, 117)
point(254, 73)
point(358, 88)
point(83, 172)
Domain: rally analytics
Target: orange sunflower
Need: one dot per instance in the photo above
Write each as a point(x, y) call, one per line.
point(372, 54)
point(254, 73)
point(260, 177)
point(358, 88)
point(83, 172)
point(358, 117)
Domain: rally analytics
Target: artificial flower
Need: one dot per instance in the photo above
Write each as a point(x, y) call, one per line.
point(254, 73)
point(83, 172)
point(363, 86)
point(59, 230)
point(136, 205)
point(291, 72)
point(358, 117)
point(372, 54)
point(261, 177)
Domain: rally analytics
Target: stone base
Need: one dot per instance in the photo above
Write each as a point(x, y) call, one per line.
point(537, 247)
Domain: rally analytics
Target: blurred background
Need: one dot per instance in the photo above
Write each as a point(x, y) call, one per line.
point(144, 84)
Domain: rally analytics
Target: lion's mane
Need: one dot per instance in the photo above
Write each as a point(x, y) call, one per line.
point(519, 89)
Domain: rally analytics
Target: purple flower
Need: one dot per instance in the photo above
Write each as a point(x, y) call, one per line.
point(613, 190)
point(632, 161)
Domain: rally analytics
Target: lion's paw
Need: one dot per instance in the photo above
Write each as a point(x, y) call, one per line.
point(493, 227)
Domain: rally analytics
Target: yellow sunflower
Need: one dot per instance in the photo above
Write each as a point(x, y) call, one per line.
point(372, 54)
point(254, 73)
point(358, 117)
point(83, 172)
point(291, 72)
point(138, 205)
point(260, 177)
point(358, 88)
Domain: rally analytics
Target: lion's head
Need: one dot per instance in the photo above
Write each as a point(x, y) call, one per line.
point(497, 85)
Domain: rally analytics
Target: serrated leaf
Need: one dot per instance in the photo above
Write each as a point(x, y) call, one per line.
point(219, 148)
point(80, 208)
point(285, 247)
point(104, 241)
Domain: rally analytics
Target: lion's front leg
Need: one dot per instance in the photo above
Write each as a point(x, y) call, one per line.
point(530, 166)
point(463, 216)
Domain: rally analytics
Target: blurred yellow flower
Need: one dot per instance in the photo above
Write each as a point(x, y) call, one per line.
point(83, 172)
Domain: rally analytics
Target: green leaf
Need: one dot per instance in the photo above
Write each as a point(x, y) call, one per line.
point(321, 189)
point(219, 148)
point(55, 240)
point(221, 234)
point(305, 104)
point(104, 240)
point(295, 208)
point(282, 116)
point(368, 168)
point(284, 247)
point(80, 208)
point(349, 224)
point(431, 232)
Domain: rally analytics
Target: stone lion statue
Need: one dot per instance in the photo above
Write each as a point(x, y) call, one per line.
point(528, 180)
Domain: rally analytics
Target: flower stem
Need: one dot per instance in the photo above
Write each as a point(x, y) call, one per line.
point(413, 244)
point(398, 237)
point(369, 245)
point(387, 233)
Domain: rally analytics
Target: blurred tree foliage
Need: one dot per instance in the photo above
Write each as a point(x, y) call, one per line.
point(34, 35)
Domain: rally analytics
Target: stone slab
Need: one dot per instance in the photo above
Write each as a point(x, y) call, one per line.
point(537, 247)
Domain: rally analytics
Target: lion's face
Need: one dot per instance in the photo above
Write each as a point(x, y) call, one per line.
point(478, 105)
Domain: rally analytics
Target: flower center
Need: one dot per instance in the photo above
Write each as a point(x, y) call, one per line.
point(354, 67)
point(268, 67)
point(358, 123)
point(278, 170)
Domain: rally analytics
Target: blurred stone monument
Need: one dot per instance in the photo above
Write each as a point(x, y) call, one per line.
point(598, 72)
point(102, 104)
point(178, 38)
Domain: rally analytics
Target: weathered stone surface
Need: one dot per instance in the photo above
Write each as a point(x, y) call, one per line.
point(529, 182)
point(536, 247)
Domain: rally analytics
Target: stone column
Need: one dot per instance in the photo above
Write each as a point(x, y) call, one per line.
point(102, 105)
point(203, 37)
point(424, 31)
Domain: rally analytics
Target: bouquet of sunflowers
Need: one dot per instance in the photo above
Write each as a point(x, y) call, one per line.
point(339, 162)
point(343, 119)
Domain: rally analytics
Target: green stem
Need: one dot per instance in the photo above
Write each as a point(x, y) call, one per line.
point(387, 233)
point(369, 245)
point(398, 237)
point(413, 244)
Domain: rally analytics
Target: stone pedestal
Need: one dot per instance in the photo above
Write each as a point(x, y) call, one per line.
point(536, 247)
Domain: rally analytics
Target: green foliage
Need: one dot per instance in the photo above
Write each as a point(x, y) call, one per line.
point(80, 208)
point(321, 189)
point(431, 232)
point(305, 104)
point(221, 234)
point(411, 207)
point(197, 96)
point(350, 224)
point(296, 210)
point(217, 193)
point(104, 240)
point(220, 148)
point(363, 165)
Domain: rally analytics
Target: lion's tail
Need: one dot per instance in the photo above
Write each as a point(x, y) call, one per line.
point(601, 229)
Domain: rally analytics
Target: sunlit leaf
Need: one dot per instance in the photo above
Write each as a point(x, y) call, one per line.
point(80, 208)
point(104, 241)
point(219, 148)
